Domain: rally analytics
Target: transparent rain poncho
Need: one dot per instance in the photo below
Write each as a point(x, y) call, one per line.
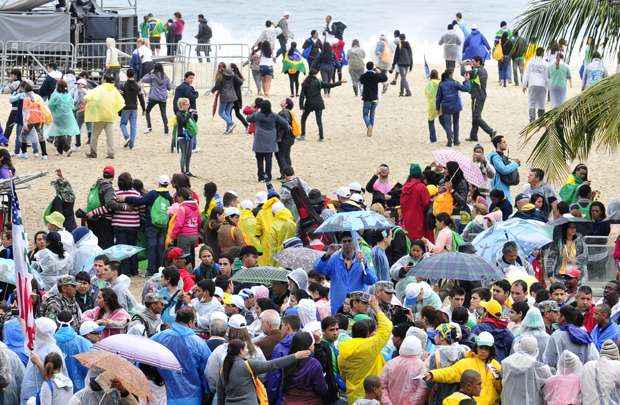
point(533, 325)
point(564, 387)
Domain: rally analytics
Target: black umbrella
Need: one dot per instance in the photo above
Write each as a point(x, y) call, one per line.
point(584, 226)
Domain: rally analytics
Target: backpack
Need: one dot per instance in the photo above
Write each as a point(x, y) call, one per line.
point(295, 125)
point(35, 113)
point(308, 217)
point(159, 212)
point(93, 200)
point(512, 178)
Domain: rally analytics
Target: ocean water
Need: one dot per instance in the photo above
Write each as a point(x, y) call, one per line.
point(423, 21)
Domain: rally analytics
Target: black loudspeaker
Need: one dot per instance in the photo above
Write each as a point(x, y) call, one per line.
point(99, 27)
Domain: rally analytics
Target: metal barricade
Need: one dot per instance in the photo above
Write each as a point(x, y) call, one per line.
point(91, 56)
point(599, 267)
point(32, 57)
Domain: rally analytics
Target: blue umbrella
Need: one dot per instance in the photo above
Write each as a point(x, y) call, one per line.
point(528, 234)
point(121, 252)
point(456, 266)
point(354, 221)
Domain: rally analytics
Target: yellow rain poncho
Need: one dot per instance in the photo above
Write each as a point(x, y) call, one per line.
point(264, 218)
point(361, 357)
point(103, 104)
point(247, 224)
point(430, 92)
point(282, 228)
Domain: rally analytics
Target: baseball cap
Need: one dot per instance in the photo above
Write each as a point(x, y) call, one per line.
point(235, 300)
point(90, 327)
point(492, 307)
point(522, 196)
point(411, 293)
point(246, 293)
point(230, 211)
point(163, 180)
point(249, 250)
point(572, 272)
point(474, 26)
point(356, 187)
point(108, 170)
point(360, 296)
point(237, 321)
point(66, 280)
point(485, 339)
point(342, 192)
point(386, 286)
point(548, 306)
point(261, 197)
point(176, 253)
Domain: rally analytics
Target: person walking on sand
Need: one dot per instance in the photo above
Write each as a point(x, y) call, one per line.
point(430, 92)
point(285, 34)
point(132, 93)
point(404, 59)
point(225, 81)
point(451, 43)
point(383, 57)
point(102, 106)
point(370, 94)
point(158, 95)
point(266, 66)
point(356, 56)
point(64, 125)
point(559, 75)
point(517, 55)
point(326, 64)
point(478, 80)
point(312, 47)
point(476, 45)
point(535, 82)
point(293, 65)
point(449, 105)
point(204, 38)
point(310, 100)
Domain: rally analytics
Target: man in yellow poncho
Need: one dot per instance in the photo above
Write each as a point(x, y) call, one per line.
point(102, 106)
point(482, 360)
point(264, 218)
point(361, 356)
point(247, 224)
point(282, 227)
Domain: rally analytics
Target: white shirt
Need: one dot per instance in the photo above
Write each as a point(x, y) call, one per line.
point(146, 54)
point(536, 74)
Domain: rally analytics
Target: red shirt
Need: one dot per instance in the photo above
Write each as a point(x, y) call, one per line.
point(188, 279)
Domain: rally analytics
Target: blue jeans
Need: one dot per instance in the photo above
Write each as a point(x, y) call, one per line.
point(225, 112)
point(131, 117)
point(450, 123)
point(154, 248)
point(432, 134)
point(368, 113)
point(127, 236)
point(504, 70)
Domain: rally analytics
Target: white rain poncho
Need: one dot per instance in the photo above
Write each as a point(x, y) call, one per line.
point(600, 382)
point(86, 248)
point(523, 376)
point(50, 267)
point(11, 375)
point(44, 344)
point(564, 387)
point(307, 311)
point(533, 325)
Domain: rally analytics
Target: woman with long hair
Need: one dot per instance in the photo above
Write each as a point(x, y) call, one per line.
point(303, 382)
point(254, 62)
point(504, 63)
point(443, 240)
point(238, 104)
point(181, 180)
point(600, 227)
point(266, 67)
point(158, 94)
point(326, 64)
point(7, 170)
point(108, 313)
point(52, 262)
point(293, 65)
point(265, 139)
point(39, 244)
point(458, 186)
point(236, 382)
point(226, 82)
point(57, 388)
point(311, 100)
point(211, 199)
point(64, 125)
point(568, 252)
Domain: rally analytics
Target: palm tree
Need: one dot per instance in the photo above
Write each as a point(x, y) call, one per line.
point(591, 120)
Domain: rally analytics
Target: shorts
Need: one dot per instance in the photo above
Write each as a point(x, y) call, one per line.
point(266, 70)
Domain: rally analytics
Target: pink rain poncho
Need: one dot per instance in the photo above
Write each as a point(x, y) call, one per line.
point(564, 387)
point(401, 380)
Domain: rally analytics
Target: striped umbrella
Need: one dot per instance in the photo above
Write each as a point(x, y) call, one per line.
point(260, 275)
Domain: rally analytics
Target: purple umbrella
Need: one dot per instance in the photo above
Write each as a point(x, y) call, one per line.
point(140, 349)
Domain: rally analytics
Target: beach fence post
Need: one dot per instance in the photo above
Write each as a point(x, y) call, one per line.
point(32, 57)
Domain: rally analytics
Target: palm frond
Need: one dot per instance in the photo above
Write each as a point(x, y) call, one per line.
point(574, 20)
point(587, 122)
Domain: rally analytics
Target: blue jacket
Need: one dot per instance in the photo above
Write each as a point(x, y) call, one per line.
point(186, 387)
point(343, 281)
point(448, 99)
point(274, 378)
point(71, 344)
point(476, 45)
point(611, 331)
point(496, 161)
point(15, 339)
point(503, 339)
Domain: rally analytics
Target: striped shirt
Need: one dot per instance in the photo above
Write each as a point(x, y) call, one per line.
point(126, 219)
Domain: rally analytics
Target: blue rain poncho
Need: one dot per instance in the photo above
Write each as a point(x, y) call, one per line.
point(15, 339)
point(71, 344)
point(188, 386)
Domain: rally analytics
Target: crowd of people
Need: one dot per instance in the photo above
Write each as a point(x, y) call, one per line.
point(356, 325)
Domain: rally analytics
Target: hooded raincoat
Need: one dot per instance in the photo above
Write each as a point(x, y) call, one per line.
point(103, 104)
point(12, 371)
point(414, 202)
point(476, 45)
point(600, 382)
point(71, 344)
point(564, 387)
point(14, 338)
point(247, 224)
point(51, 267)
point(533, 325)
point(187, 387)
point(361, 357)
point(64, 123)
point(401, 380)
point(523, 377)
point(90, 396)
point(282, 228)
point(86, 248)
point(264, 218)
point(573, 339)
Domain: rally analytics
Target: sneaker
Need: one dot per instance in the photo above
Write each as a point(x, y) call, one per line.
point(44, 157)
point(196, 150)
point(408, 94)
point(232, 127)
point(35, 154)
point(369, 132)
point(23, 156)
point(148, 131)
point(126, 144)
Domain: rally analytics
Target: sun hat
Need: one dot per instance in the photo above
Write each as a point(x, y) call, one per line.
point(493, 307)
point(163, 180)
point(237, 321)
point(485, 339)
point(342, 192)
point(56, 219)
point(247, 204)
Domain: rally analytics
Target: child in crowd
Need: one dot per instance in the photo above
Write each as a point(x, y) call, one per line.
point(186, 129)
point(372, 389)
point(249, 110)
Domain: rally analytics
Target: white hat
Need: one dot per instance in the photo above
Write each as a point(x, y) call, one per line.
point(474, 26)
point(229, 211)
point(261, 197)
point(286, 13)
point(233, 192)
point(357, 197)
point(247, 204)
point(355, 187)
point(485, 339)
point(163, 180)
point(237, 301)
point(218, 315)
point(277, 207)
point(343, 192)
point(83, 82)
point(237, 321)
point(219, 292)
point(411, 346)
point(90, 327)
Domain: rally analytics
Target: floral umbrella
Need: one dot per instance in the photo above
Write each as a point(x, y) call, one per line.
point(470, 170)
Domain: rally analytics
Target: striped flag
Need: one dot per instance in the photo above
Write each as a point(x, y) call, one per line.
point(23, 277)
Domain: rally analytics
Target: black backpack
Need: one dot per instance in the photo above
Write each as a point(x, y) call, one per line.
point(512, 178)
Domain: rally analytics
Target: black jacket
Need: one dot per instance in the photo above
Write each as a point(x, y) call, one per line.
point(402, 56)
point(310, 98)
point(184, 90)
point(204, 32)
point(47, 87)
point(370, 80)
point(66, 209)
point(132, 94)
point(284, 134)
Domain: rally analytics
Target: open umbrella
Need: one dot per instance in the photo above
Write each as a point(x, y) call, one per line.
point(7, 271)
point(528, 234)
point(584, 226)
point(470, 170)
point(121, 252)
point(260, 275)
point(456, 266)
point(140, 349)
point(296, 257)
point(354, 221)
point(117, 368)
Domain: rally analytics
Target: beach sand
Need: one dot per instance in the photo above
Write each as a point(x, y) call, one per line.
point(400, 138)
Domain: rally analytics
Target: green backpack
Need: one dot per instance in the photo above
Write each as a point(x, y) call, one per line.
point(457, 241)
point(159, 212)
point(192, 127)
point(93, 200)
